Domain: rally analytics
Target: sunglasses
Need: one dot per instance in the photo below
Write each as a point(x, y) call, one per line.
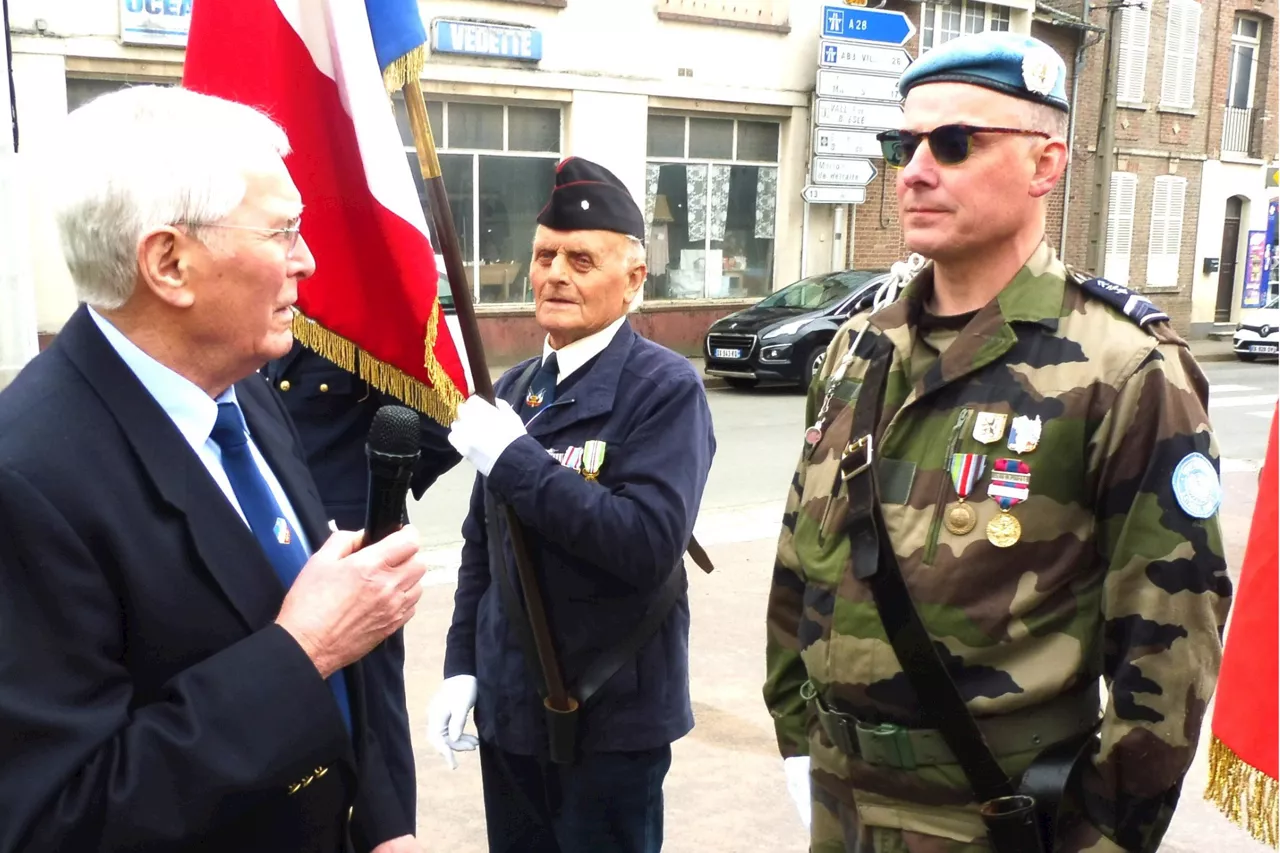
point(949, 143)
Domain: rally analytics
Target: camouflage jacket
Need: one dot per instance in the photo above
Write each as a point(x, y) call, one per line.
point(1111, 577)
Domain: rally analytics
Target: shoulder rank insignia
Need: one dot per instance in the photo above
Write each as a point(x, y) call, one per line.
point(1135, 306)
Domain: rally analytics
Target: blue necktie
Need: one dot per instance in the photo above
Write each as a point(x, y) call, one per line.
point(542, 391)
point(277, 537)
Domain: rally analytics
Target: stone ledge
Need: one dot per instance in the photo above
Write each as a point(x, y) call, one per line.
point(679, 17)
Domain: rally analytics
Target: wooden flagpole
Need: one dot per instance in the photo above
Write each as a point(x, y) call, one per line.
point(438, 198)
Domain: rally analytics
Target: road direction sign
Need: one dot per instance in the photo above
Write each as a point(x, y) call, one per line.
point(867, 58)
point(863, 87)
point(846, 143)
point(842, 171)
point(875, 25)
point(850, 114)
point(834, 195)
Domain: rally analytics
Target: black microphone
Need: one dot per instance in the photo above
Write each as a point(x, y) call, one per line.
point(393, 452)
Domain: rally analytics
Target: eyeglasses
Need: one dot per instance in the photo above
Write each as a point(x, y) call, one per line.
point(292, 232)
point(949, 143)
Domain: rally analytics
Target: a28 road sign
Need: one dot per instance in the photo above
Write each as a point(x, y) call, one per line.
point(876, 25)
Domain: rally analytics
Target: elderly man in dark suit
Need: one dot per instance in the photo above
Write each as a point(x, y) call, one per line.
point(602, 446)
point(182, 638)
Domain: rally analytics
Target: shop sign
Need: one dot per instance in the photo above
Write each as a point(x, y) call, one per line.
point(470, 38)
point(1255, 259)
point(155, 22)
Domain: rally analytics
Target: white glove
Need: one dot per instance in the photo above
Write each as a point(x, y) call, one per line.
point(797, 773)
point(482, 431)
point(447, 716)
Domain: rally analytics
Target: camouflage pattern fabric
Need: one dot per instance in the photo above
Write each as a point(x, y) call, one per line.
point(1111, 578)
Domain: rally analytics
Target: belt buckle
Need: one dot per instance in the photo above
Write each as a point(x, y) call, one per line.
point(886, 744)
point(864, 444)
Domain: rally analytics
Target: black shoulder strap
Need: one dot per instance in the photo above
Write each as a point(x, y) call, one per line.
point(612, 659)
point(874, 562)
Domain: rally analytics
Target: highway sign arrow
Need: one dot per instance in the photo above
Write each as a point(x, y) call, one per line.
point(867, 58)
point(873, 25)
point(846, 143)
point(850, 114)
point(834, 195)
point(842, 171)
point(850, 84)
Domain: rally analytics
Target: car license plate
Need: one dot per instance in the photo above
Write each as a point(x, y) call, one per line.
point(727, 353)
point(1265, 348)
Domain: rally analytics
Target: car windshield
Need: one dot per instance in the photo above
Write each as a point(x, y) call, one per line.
point(817, 292)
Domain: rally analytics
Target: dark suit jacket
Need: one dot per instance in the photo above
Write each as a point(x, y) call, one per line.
point(332, 410)
point(602, 549)
point(147, 700)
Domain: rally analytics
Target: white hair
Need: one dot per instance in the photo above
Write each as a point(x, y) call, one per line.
point(145, 157)
point(634, 253)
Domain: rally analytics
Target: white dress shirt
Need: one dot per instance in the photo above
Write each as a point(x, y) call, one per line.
point(572, 356)
point(194, 412)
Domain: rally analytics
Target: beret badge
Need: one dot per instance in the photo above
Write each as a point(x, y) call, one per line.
point(1039, 71)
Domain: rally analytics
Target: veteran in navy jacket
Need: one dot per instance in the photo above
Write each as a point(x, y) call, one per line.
point(182, 638)
point(602, 446)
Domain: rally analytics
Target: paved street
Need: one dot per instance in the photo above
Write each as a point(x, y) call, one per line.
point(725, 791)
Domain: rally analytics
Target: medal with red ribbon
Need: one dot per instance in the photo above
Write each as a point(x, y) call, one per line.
point(1010, 485)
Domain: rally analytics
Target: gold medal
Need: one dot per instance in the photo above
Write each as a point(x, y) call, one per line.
point(1004, 530)
point(960, 518)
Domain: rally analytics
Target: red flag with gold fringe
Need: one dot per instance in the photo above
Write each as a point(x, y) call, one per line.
point(322, 70)
point(1244, 753)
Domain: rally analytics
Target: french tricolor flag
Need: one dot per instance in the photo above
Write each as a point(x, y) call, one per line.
point(317, 68)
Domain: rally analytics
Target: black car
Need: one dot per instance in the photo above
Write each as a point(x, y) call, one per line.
point(784, 337)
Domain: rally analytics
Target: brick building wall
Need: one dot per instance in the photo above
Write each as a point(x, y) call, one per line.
point(877, 234)
point(1154, 140)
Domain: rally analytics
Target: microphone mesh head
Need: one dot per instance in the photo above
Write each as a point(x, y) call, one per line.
point(395, 431)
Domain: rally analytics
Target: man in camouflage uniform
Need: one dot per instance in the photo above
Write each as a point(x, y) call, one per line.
point(1048, 480)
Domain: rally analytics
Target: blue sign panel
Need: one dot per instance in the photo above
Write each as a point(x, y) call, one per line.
point(874, 25)
point(496, 40)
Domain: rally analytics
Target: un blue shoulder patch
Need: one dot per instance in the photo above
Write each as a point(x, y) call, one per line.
point(1135, 306)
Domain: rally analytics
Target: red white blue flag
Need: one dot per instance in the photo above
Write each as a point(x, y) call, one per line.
point(317, 67)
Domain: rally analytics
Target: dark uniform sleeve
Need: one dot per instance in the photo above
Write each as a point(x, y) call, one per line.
point(437, 455)
point(1164, 601)
point(473, 581)
point(639, 526)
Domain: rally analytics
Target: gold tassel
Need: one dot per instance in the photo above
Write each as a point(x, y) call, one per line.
point(406, 68)
point(1246, 795)
point(439, 401)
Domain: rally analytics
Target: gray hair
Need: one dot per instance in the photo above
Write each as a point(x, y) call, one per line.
point(145, 157)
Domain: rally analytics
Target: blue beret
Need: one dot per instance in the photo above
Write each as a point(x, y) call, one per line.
point(1015, 64)
point(588, 197)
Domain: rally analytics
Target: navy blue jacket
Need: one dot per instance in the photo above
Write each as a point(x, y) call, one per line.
point(332, 410)
point(147, 699)
point(602, 549)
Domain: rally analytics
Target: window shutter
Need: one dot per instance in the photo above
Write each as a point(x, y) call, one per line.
point(1124, 187)
point(1178, 82)
point(1131, 76)
point(1168, 200)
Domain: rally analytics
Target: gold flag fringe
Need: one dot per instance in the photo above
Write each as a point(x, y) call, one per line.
point(406, 68)
point(1244, 793)
point(439, 401)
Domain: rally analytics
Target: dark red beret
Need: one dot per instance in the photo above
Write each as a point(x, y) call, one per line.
point(588, 197)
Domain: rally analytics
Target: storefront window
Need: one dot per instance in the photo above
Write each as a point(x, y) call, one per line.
point(711, 189)
point(499, 164)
